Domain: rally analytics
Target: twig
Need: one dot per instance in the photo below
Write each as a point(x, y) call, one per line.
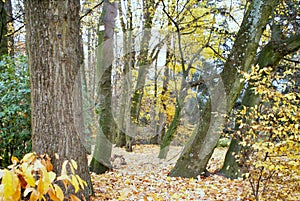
point(90, 10)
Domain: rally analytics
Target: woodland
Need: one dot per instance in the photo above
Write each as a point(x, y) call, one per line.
point(149, 100)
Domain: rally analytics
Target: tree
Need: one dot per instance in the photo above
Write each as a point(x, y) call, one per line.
point(54, 57)
point(282, 42)
point(102, 153)
point(3, 29)
point(123, 139)
point(198, 151)
point(270, 56)
point(129, 117)
point(6, 28)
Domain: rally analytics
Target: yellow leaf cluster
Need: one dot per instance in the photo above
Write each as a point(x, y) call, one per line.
point(34, 177)
point(271, 137)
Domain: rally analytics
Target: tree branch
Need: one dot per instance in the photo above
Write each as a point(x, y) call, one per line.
point(90, 10)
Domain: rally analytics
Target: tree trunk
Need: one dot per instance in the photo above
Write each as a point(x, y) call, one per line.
point(54, 56)
point(270, 55)
point(102, 153)
point(194, 159)
point(125, 106)
point(3, 29)
point(10, 27)
point(143, 65)
point(168, 137)
point(124, 111)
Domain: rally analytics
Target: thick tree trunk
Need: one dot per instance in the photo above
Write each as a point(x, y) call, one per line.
point(102, 153)
point(270, 55)
point(197, 154)
point(54, 56)
point(3, 29)
point(10, 27)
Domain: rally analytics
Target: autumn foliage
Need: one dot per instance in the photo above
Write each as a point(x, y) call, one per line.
point(270, 134)
point(33, 178)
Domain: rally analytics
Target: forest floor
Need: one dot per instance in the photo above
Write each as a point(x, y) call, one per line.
point(140, 175)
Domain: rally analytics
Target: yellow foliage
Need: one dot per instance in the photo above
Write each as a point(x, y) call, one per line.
point(271, 138)
point(22, 175)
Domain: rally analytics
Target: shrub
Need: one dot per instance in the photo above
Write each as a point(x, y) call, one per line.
point(33, 178)
point(270, 137)
point(15, 127)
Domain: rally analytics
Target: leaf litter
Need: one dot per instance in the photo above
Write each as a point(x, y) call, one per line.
point(141, 175)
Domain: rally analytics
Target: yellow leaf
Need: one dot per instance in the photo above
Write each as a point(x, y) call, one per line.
point(63, 168)
point(75, 183)
point(52, 176)
point(41, 186)
point(74, 198)
point(29, 177)
point(59, 193)
point(82, 183)
point(1, 190)
point(11, 186)
point(28, 158)
point(72, 169)
point(74, 164)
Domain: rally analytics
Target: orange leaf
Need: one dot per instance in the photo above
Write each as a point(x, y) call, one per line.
point(34, 196)
point(74, 198)
point(14, 160)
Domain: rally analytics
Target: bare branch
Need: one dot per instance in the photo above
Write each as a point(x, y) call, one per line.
point(90, 10)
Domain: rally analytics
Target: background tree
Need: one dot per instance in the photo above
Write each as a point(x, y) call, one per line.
point(3, 29)
point(250, 99)
point(198, 152)
point(282, 39)
point(54, 57)
point(102, 153)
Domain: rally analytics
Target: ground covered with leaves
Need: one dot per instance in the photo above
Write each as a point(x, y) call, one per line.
point(140, 175)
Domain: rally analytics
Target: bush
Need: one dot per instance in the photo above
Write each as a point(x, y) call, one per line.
point(15, 127)
point(32, 178)
point(270, 137)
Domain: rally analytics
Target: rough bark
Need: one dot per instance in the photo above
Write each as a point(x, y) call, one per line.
point(54, 56)
point(3, 29)
point(10, 27)
point(270, 55)
point(194, 159)
point(102, 153)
